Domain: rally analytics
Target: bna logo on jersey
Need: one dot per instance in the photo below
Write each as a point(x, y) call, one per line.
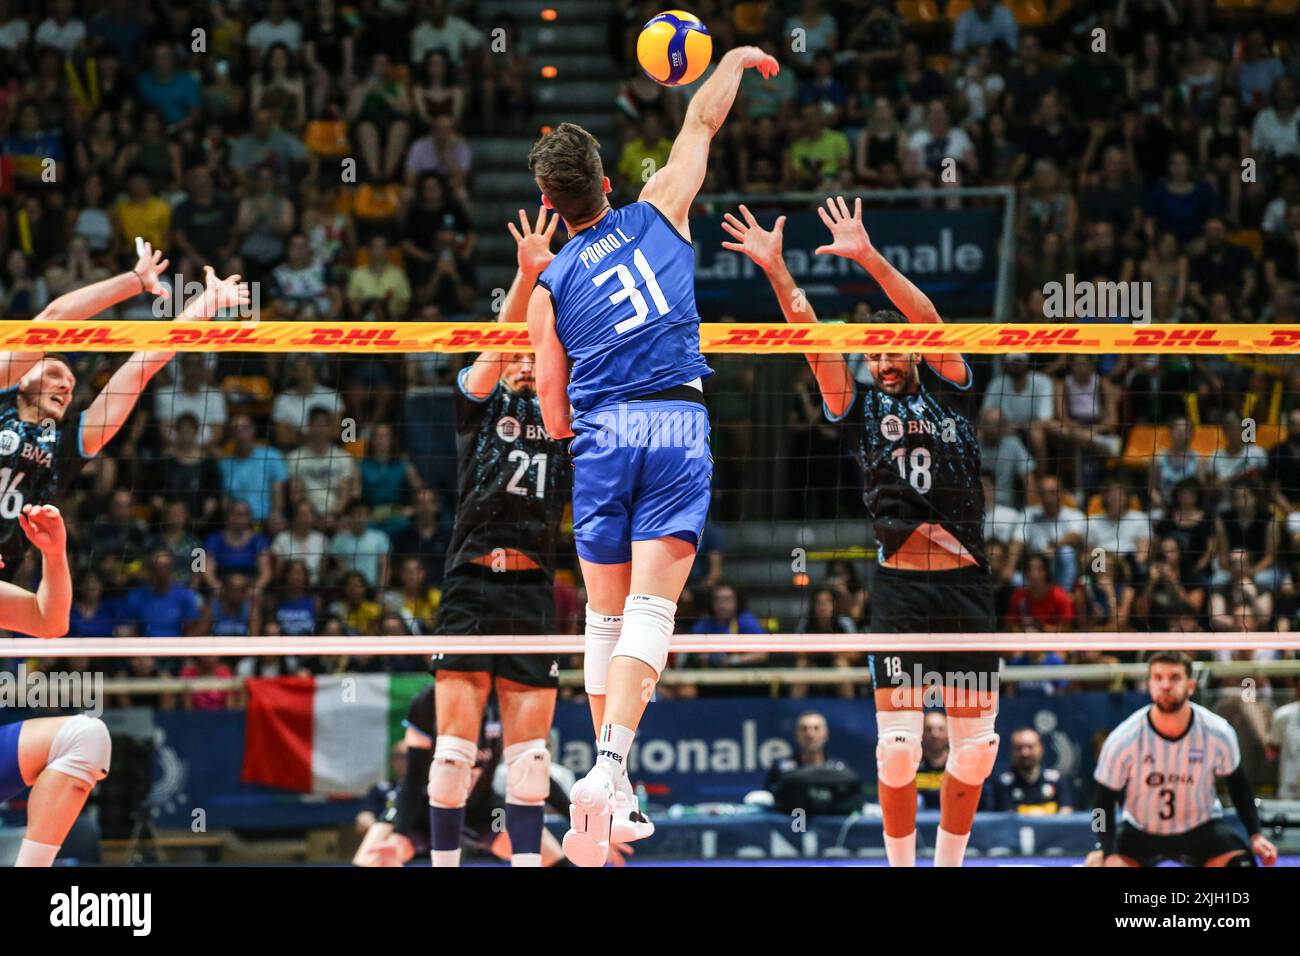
point(891, 426)
point(508, 428)
point(9, 442)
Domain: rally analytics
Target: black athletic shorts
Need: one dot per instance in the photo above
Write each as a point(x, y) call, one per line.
point(933, 602)
point(1193, 848)
point(478, 600)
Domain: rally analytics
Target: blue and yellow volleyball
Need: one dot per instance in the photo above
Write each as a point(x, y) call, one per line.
point(674, 48)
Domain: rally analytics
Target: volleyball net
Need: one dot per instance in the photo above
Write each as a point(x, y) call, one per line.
point(298, 483)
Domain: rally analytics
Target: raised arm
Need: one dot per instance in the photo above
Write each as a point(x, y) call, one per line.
point(88, 301)
point(550, 365)
point(45, 613)
point(849, 240)
point(534, 255)
point(764, 247)
point(673, 188)
point(111, 408)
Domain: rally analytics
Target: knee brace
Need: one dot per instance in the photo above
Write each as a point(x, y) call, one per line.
point(528, 773)
point(602, 633)
point(898, 748)
point(972, 748)
point(647, 630)
point(450, 772)
point(82, 749)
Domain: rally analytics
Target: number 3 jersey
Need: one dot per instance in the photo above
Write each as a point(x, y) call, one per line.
point(920, 457)
point(1168, 784)
point(513, 479)
point(624, 297)
point(38, 460)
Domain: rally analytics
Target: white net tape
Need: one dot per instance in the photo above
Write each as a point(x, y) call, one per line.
point(682, 643)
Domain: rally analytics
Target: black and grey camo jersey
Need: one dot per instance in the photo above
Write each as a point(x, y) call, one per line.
point(514, 480)
point(38, 460)
point(921, 459)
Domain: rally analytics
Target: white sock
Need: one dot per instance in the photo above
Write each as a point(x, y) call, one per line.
point(31, 853)
point(612, 744)
point(949, 848)
point(901, 851)
point(445, 857)
point(526, 859)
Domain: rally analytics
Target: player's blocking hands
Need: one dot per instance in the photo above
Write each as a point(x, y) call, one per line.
point(219, 294)
point(149, 266)
point(761, 245)
point(43, 525)
point(534, 242)
point(848, 235)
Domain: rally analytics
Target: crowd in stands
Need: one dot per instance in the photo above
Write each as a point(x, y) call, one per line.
point(265, 494)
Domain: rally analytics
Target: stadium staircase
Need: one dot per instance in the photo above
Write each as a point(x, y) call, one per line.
point(583, 91)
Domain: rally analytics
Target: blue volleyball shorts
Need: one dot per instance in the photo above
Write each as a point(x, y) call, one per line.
point(11, 776)
point(641, 470)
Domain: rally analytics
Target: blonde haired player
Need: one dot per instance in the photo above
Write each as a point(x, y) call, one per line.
point(618, 301)
point(60, 758)
point(1162, 764)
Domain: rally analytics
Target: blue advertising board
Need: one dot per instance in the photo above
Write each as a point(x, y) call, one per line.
point(951, 255)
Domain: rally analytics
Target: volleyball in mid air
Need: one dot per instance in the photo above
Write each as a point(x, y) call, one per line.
point(674, 48)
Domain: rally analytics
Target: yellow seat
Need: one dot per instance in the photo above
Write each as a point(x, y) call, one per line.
point(955, 9)
point(1283, 8)
point(918, 12)
point(1251, 239)
point(378, 202)
point(1029, 13)
point(327, 138)
point(1144, 441)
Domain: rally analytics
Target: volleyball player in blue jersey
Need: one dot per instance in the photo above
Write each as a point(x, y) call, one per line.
point(618, 302)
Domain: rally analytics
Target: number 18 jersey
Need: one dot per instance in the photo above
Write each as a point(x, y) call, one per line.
point(624, 297)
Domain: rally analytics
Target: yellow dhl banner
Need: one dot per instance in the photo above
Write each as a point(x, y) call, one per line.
point(402, 337)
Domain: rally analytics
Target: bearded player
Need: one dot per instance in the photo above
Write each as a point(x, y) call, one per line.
point(1163, 764)
point(60, 758)
point(44, 442)
point(513, 481)
point(921, 460)
point(618, 301)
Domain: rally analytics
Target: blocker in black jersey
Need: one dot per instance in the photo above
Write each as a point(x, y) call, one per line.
point(921, 460)
point(514, 483)
point(513, 480)
point(38, 460)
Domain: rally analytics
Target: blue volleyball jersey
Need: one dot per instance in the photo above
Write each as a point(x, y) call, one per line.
point(624, 296)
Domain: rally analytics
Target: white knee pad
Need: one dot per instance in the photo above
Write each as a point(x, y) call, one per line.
point(450, 772)
point(898, 746)
point(82, 749)
point(972, 748)
point(528, 773)
point(602, 633)
point(647, 630)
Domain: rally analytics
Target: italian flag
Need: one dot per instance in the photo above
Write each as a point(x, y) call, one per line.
point(330, 735)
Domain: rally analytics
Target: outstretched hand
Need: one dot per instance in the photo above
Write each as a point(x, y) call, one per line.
point(766, 64)
point(534, 242)
point(149, 266)
point(219, 294)
point(43, 525)
point(848, 235)
point(761, 245)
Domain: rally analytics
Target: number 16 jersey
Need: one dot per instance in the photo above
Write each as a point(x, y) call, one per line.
point(624, 297)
